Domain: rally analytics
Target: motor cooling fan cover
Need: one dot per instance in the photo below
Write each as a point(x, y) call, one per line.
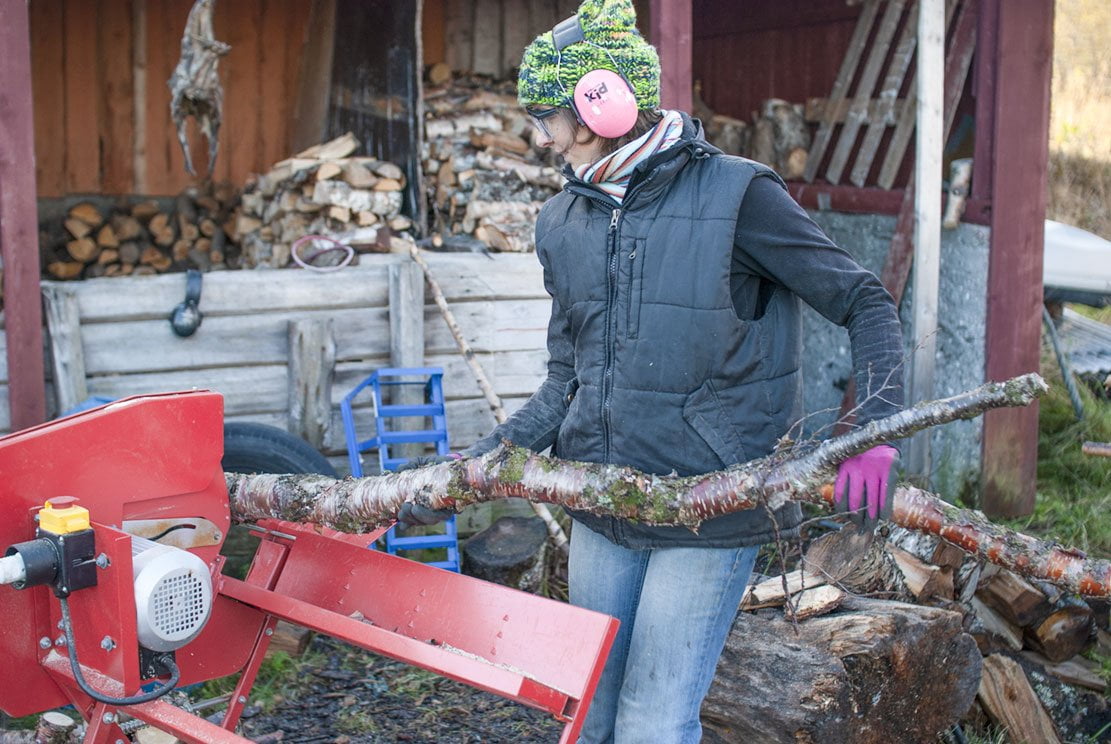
point(173, 595)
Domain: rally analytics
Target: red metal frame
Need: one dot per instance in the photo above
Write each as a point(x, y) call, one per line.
point(159, 457)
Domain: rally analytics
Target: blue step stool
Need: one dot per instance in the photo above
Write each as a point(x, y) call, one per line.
point(430, 381)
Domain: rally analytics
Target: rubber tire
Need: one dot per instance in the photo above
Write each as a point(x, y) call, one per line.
point(259, 448)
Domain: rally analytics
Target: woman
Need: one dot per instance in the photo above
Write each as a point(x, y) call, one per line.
point(675, 273)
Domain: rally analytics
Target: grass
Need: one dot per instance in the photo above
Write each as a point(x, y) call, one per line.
point(1074, 489)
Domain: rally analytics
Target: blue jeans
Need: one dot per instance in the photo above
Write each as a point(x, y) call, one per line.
point(676, 606)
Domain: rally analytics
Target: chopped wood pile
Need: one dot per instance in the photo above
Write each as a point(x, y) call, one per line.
point(325, 190)
point(1032, 678)
point(146, 237)
point(485, 182)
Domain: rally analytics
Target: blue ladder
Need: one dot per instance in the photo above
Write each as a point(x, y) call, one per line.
point(431, 382)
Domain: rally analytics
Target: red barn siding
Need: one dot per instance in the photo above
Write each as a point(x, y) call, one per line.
point(84, 62)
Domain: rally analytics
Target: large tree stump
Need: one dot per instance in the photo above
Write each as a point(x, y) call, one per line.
point(510, 552)
point(874, 672)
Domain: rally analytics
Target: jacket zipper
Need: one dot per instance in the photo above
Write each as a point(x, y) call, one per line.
point(611, 332)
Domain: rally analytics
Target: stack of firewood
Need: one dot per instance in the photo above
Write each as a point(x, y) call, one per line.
point(485, 181)
point(321, 191)
point(146, 237)
point(1032, 678)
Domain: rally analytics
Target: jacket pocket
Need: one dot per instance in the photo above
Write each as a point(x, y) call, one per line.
point(704, 412)
point(636, 282)
point(569, 391)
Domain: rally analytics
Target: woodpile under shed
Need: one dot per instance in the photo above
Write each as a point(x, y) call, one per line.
point(143, 236)
point(325, 190)
point(484, 179)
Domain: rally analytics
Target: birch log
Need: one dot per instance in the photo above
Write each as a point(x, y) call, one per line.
point(359, 505)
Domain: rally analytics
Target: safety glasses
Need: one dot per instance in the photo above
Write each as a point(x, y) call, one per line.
point(538, 116)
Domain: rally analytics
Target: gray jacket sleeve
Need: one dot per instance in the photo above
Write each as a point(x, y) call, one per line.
point(536, 424)
point(777, 242)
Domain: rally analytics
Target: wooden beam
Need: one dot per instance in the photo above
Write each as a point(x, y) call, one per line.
point(67, 356)
point(406, 282)
point(19, 245)
point(1022, 59)
point(672, 30)
point(927, 222)
point(312, 361)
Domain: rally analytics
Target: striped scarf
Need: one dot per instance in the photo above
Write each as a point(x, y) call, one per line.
point(612, 173)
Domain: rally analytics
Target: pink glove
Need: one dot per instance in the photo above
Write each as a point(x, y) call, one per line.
point(867, 477)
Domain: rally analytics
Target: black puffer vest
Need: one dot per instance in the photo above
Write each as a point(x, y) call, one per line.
point(667, 378)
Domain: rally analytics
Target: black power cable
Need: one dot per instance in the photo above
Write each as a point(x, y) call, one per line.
point(166, 661)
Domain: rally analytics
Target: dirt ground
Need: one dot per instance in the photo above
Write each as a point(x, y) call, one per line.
point(346, 695)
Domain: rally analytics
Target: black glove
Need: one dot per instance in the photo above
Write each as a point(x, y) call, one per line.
point(411, 514)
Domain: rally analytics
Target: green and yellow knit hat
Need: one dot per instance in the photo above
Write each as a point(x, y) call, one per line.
point(609, 26)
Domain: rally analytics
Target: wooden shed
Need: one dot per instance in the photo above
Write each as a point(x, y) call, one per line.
point(84, 90)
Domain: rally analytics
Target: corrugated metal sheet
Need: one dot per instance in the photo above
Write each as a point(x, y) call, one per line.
point(1087, 343)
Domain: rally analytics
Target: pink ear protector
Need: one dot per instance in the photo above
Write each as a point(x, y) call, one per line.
point(603, 99)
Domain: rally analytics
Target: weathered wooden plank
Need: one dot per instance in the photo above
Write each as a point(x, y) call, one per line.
point(867, 82)
point(490, 326)
point(240, 144)
point(459, 31)
point(149, 345)
point(406, 312)
point(115, 96)
point(272, 120)
point(66, 354)
point(18, 219)
point(312, 357)
point(231, 293)
point(886, 110)
point(487, 54)
point(82, 150)
point(927, 223)
point(462, 278)
point(904, 129)
point(314, 76)
point(246, 390)
point(48, 71)
point(139, 96)
point(515, 33)
point(844, 79)
point(165, 22)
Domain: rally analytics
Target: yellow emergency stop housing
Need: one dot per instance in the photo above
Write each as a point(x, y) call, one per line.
point(63, 520)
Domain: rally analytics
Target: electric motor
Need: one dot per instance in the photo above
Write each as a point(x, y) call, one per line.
point(173, 594)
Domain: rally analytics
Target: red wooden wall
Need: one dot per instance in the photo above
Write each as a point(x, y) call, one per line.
point(747, 51)
point(96, 132)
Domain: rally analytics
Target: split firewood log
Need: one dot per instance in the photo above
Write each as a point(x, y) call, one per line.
point(873, 672)
point(1008, 699)
point(86, 213)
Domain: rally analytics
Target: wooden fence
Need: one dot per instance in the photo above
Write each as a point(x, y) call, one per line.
point(111, 338)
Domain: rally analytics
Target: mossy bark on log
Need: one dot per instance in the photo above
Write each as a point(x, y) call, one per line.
point(873, 672)
point(360, 505)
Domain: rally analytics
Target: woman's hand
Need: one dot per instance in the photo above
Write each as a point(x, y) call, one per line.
point(865, 480)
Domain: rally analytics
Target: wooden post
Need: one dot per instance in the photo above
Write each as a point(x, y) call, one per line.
point(19, 245)
point(927, 231)
point(1021, 61)
point(407, 337)
point(67, 356)
point(672, 30)
point(312, 359)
